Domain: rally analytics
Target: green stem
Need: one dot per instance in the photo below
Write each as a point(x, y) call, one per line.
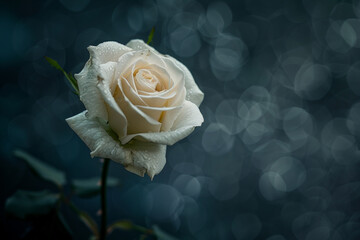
point(104, 173)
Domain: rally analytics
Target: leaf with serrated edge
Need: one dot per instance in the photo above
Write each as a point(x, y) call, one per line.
point(42, 169)
point(27, 204)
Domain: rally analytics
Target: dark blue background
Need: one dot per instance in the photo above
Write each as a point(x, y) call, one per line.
point(278, 154)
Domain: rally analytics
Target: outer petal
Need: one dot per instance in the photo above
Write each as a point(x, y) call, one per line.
point(188, 118)
point(137, 157)
point(98, 139)
point(108, 51)
point(193, 93)
point(88, 77)
point(147, 157)
point(89, 94)
point(138, 44)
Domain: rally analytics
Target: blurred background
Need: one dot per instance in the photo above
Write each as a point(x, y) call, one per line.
point(278, 154)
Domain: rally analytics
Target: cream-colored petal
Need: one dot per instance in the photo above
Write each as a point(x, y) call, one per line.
point(88, 78)
point(157, 113)
point(137, 157)
point(188, 118)
point(89, 93)
point(190, 115)
point(193, 93)
point(107, 52)
point(127, 60)
point(137, 120)
point(130, 93)
point(106, 75)
point(157, 101)
point(100, 142)
point(138, 44)
point(147, 157)
point(177, 74)
point(116, 118)
point(169, 117)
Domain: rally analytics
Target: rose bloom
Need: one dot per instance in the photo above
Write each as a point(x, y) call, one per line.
point(137, 101)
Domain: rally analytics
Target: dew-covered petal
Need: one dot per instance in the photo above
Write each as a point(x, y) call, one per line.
point(98, 139)
point(137, 157)
point(147, 158)
point(188, 118)
point(89, 93)
point(138, 44)
point(107, 52)
point(88, 78)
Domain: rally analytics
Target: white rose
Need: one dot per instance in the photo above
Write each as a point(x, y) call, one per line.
point(138, 101)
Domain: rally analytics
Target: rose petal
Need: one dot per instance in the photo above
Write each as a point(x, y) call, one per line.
point(107, 52)
point(138, 44)
point(88, 78)
point(169, 117)
point(127, 60)
point(89, 93)
point(188, 118)
point(193, 93)
point(117, 119)
point(147, 157)
point(137, 157)
point(157, 112)
point(106, 74)
point(98, 139)
point(137, 120)
point(131, 94)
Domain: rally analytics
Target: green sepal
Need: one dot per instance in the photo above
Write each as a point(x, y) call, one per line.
point(151, 36)
point(68, 76)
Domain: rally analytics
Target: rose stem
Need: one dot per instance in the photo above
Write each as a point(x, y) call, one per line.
point(104, 173)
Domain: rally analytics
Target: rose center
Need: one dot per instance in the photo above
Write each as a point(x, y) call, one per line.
point(146, 81)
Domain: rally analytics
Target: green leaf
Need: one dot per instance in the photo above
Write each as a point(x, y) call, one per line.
point(84, 217)
point(41, 169)
point(122, 224)
point(151, 35)
point(91, 187)
point(68, 76)
point(161, 235)
point(64, 223)
point(127, 225)
point(26, 204)
point(89, 222)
